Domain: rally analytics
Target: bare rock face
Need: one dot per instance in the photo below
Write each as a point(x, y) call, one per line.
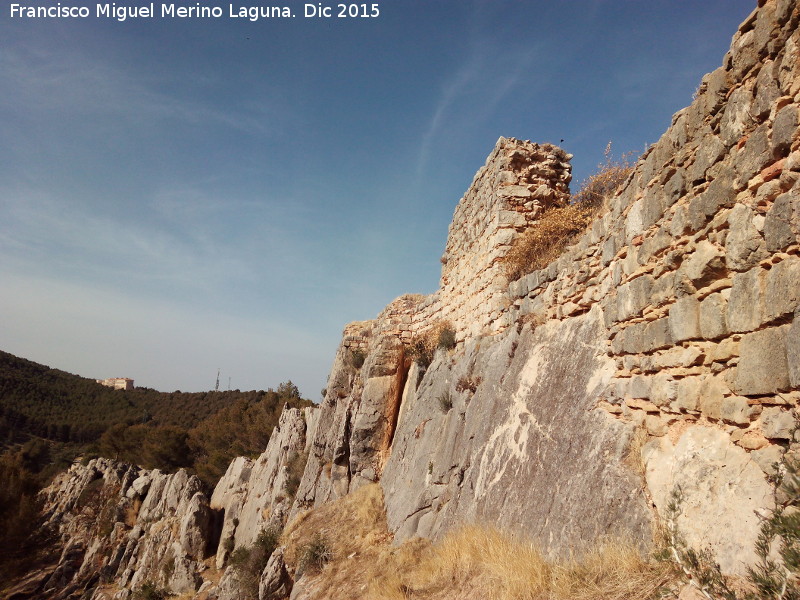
point(718, 490)
point(158, 530)
point(256, 495)
point(523, 442)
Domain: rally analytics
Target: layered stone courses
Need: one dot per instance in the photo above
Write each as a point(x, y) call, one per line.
point(695, 265)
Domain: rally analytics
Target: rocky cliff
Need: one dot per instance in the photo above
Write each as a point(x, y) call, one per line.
point(649, 375)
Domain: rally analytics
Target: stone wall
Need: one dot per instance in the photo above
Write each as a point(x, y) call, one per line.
point(694, 274)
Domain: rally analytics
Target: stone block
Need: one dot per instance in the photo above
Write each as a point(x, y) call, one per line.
point(653, 245)
point(736, 116)
point(777, 424)
point(752, 440)
point(657, 335)
point(663, 389)
point(793, 352)
point(688, 394)
point(663, 289)
point(746, 302)
point(778, 232)
point(684, 319)
point(712, 393)
point(763, 366)
point(680, 223)
point(754, 155)
point(673, 189)
point(704, 265)
point(767, 91)
point(767, 458)
point(679, 357)
point(784, 128)
point(713, 324)
point(711, 149)
point(656, 425)
point(744, 246)
point(638, 387)
point(782, 292)
point(633, 297)
point(736, 410)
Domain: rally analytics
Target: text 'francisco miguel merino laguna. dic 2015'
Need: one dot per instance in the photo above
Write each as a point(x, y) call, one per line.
point(120, 12)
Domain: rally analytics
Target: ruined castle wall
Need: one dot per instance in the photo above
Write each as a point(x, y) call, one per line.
point(694, 272)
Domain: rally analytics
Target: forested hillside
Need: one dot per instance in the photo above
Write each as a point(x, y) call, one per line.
point(49, 417)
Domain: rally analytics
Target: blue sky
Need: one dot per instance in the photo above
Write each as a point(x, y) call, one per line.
point(178, 196)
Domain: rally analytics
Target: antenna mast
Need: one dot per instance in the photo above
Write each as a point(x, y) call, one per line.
point(216, 387)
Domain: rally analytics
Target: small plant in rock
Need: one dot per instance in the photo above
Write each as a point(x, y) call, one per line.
point(357, 358)
point(314, 555)
point(423, 346)
point(150, 591)
point(294, 472)
point(249, 562)
point(447, 338)
point(775, 577)
point(445, 401)
point(468, 383)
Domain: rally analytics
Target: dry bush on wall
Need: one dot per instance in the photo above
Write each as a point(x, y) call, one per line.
point(423, 346)
point(543, 242)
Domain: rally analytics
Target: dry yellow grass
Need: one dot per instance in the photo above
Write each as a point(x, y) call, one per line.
point(473, 562)
point(560, 226)
point(482, 562)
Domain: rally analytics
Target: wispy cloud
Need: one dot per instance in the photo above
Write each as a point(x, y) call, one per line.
point(74, 84)
point(487, 77)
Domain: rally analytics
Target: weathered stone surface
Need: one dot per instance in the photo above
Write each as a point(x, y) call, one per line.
point(784, 130)
point(162, 541)
point(704, 463)
point(704, 265)
point(633, 297)
point(763, 367)
point(782, 292)
point(713, 323)
point(684, 319)
point(735, 409)
point(778, 231)
point(478, 470)
point(746, 303)
point(736, 117)
point(688, 394)
point(793, 352)
point(275, 582)
point(744, 246)
point(777, 423)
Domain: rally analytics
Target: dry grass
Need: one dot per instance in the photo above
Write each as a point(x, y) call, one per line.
point(633, 457)
point(354, 532)
point(539, 245)
point(423, 345)
point(480, 562)
point(473, 562)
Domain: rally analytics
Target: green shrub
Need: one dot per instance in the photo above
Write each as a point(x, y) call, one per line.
point(149, 591)
point(775, 578)
point(357, 358)
point(314, 555)
point(447, 338)
point(249, 562)
point(445, 401)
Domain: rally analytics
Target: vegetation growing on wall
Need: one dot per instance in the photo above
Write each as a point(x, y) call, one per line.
point(543, 242)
